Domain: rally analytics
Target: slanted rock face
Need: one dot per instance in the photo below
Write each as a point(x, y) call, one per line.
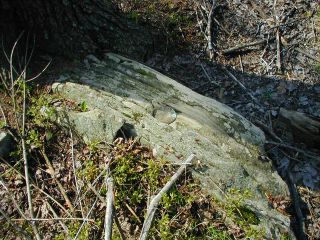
point(6, 144)
point(175, 121)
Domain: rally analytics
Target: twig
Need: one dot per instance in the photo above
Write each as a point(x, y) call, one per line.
point(241, 65)
point(307, 54)
point(267, 130)
point(16, 228)
point(85, 219)
point(155, 201)
point(13, 199)
point(4, 116)
point(246, 45)
point(26, 167)
point(109, 210)
point(51, 169)
point(36, 187)
point(300, 229)
point(209, 28)
point(133, 213)
point(123, 237)
point(75, 173)
point(115, 215)
point(278, 40)
point(242, 86)
point(283, 145)
point(209, 78)
point(65, 228)
point(54, 219)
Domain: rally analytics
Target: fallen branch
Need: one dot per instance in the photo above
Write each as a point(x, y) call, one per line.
point(155, 201)
point(246, 45)
point(109, 210)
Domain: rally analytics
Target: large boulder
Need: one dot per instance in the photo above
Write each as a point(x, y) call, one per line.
point(126, 98)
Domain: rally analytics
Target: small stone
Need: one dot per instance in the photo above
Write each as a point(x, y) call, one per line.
point(165, 114)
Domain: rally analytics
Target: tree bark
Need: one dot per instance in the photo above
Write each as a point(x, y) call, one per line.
point(74, 28)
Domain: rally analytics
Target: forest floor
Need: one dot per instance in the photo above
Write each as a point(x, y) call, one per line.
point(254, 57)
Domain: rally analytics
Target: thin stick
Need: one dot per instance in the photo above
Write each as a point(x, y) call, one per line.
point(75, 173)
point(241, 65)
point(209, 28)
point(85, 221)
point(300, 229)
point(155, 201)
point(65, 228)
point(278, 39)
point(123, 237)
point(246, 45)
point(54, 219)
point(4, 116)
point(109, 210)
point(209, 78)
point(242, 86)
point(26, 167)
point(36, 187)
point(63, 192)
point(267, 130)
point(307, 54)
point(294, 148)
point(16, 228)
point(114, 214)
point(13, 199)
point(133, 213)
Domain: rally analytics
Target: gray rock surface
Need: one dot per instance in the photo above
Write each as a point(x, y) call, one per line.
point(175, 122)
point(6, 144)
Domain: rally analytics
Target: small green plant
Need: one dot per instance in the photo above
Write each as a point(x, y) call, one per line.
point(134, 15)
point(215, 234)
point(41, 111)
point(317, 68)
point(2, 124)
point(136, 116)
point(93, 146)
point(33, 139)
point(83, 106)
point(89, 171)
point(73, 231)
point(243, 216)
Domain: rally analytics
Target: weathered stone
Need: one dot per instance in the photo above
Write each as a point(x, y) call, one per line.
point(176, 122)
point(6, 144)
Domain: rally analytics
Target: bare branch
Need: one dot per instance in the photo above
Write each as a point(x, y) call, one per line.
point(109, 210)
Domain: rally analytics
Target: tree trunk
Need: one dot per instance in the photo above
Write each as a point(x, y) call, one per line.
point(73, 27)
